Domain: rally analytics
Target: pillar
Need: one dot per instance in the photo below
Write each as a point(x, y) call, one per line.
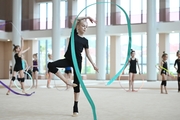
point(72, 12)
point(151, 40)
point(100, 41)
point(56, 30)
point(163, 46)
point(164, 12)
point(16, 27)
point(115, 55)
point(115, 13)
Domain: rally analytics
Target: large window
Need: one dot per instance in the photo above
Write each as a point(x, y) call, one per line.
point(174, 10)
point(139, 44)
point(174, 41)
point(46, 15)
point(125, 5)
point(43, 16)
point(45, 48)
point(136, 11)
point(144, 2)
point(80, 6)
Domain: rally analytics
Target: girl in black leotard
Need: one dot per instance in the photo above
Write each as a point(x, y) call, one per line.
point(177, 62)
point(164, 73)
point(35, 70)
point(80, 43)
point(18, 65)
point(132, 70)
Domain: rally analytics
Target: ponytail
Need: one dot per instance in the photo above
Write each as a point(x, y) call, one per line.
point(164, 54)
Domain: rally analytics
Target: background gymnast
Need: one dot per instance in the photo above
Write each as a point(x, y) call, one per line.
point(18, 66)
point(132, 70)
point(177, 62)
point(164, 73)
point(35, 70)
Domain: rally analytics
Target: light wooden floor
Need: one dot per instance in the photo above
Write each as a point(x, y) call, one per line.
point(112, 102)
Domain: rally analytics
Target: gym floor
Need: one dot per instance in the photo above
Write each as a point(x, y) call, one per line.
point(112, 102)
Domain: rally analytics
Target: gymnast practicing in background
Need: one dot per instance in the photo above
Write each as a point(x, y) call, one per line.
point(164, 72)
point(177, 62)
point(132, 70)
point(35, 70)
point(80, 43)
point(18, 67)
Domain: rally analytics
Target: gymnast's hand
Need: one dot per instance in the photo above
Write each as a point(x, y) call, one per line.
point(96, 68)
point(92, 20)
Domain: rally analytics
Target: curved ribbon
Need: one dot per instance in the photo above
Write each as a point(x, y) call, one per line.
point(30, 85)
point(171, 73)
point(15, 91)
point(129, 47)
point(142, 84)
point(75, 59)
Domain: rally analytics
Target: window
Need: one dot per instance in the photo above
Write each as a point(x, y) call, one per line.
point(81, 5)
point(174, 10)
point(125, 5)
point(144, 51)
point(42, 56)
point(144, 2)
point(91, 11)
point(174, 41)
point(92, 48)
point(49, 15)
point(42, 16)
point(136, 11)
point(63, 14)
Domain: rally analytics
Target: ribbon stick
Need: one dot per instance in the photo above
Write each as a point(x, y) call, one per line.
point(15, 91)
point(75, 59)
point(161, 67)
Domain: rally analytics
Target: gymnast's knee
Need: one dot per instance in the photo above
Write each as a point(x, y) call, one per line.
point(77, 89)
point(52, 68)
point(13, 78)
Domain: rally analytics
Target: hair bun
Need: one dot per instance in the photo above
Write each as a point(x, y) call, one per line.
point(14, 45)
point(163, 52)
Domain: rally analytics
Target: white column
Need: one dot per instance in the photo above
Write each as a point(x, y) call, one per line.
point(16, 27)
point(56, 30)
point(16, 31)
point(151, 40)
point(100, 41)
point(115, 55)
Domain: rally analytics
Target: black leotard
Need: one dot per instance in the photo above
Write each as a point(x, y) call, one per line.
point(178, 64)
point(163, 71)
point(80, 43)
point(132, 68)
point(18, 63)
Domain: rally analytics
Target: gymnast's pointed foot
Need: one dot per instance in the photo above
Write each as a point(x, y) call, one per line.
point(71, 84)
point(8, 93)
point(75, 114)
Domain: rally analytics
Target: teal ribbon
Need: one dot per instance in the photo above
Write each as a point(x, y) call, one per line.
point(75, 59)
point(129, 48)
